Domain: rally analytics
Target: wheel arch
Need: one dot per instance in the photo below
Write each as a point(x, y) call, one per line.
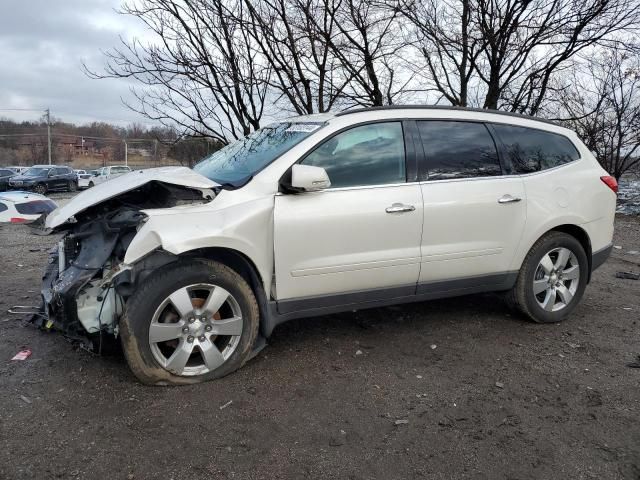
point(246, 268)
point(575, 231)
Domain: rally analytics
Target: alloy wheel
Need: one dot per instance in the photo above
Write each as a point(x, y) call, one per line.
point(556, 279)
point(195, 329)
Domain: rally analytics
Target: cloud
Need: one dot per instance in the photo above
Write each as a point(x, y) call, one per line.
point(42, 46)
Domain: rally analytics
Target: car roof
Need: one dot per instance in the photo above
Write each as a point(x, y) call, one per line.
point(431, 111)
point(18, 195)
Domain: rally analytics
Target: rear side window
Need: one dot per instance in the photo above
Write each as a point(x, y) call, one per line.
point(458, 150)
point(529, 150)
point(36, 207)
point(3, 207)
point(366, 155)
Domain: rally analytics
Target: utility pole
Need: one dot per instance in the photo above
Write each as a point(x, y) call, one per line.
point(126, 154)
point(48, 115)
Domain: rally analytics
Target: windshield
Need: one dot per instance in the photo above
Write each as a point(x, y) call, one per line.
point(36, 172)
point(236, 163)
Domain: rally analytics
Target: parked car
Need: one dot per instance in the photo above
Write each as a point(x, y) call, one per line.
point(5, 175)
point(327, 213)
point(18, 170)
point(107, 173)
point(24, 207)
point(45, 178)
point(84, 178)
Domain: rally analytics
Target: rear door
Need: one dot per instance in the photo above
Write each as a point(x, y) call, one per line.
point(474, 214)
point(359, 239)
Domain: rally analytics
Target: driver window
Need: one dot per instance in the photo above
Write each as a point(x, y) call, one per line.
point(367, 155)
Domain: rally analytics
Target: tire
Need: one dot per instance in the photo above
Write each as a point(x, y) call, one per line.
point(40, 188)
point(91, 184)
point(72, 186)
point(559, 288)
point(152, 311)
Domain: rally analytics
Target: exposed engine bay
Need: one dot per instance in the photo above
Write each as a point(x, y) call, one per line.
point(85, 284)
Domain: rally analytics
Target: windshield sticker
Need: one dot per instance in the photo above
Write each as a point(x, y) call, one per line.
point(303, 127)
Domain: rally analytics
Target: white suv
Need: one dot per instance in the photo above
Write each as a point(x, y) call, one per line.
point(327, 213)
point(107, 173)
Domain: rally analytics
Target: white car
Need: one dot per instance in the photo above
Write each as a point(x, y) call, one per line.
point(24, 207)
point(327, 213)
point(84, 178)
point(18, 170)
point(107, 173)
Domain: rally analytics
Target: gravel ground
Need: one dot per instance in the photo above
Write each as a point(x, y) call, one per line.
point(448, 389)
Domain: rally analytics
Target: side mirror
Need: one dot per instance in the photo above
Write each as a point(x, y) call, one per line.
point(307, 178)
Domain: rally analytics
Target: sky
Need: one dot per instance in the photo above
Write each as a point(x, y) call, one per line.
point(42, 46)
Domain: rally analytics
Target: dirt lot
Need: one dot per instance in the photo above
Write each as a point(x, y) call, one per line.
point(485, 394)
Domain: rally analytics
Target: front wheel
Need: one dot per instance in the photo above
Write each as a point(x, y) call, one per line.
point(191, 321)
point(72, 186)
point(552, 279)
point(40, 188)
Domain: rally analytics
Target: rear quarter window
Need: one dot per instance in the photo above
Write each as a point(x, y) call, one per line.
point(3, 207)
point(530, 150)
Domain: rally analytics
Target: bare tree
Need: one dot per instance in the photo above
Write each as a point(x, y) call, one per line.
point(294, 39)
point(603, 107)
point(508, 51)
point(368, 45)
point(202, 74)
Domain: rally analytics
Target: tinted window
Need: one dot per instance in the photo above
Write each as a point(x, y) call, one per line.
point(458, 150)
point(35, 207)
point(3, 207)
point(366, 155)
point(59, 171)
point(36, 172)
point(4, 173)
point(529, 150)
point(120, 169)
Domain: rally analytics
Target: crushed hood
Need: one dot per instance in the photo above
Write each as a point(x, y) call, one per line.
point(180, 176)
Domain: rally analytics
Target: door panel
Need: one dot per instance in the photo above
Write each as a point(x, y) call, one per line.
point(344, 240)
point(467, 232)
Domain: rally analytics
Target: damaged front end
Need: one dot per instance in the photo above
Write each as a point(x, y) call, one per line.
point(85, 283)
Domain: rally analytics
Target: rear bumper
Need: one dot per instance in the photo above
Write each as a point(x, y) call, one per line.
point(601, 256)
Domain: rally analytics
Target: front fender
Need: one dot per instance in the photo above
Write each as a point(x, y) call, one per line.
point(245, 227)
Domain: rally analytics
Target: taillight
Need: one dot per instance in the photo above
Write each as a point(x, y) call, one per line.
point(610, 182)
point(18, 220)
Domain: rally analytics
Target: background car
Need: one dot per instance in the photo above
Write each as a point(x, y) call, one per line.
point(24, 207)
point(5, 175)
point(84, 178)
point(44, 178)
point(107, 173)
point(18, 169)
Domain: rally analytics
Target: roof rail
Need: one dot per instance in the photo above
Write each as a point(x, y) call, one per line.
point(444, 107)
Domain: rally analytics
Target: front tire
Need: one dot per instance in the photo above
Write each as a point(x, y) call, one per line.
point(40, 188)
point(552, 279)
point(191, 321)
point(73, 186)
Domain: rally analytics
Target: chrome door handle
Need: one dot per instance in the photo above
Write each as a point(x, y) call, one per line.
point(508, 199)
point(400, 207)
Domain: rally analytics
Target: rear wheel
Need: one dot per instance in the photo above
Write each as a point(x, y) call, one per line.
point(72, 186)
point(192, 321)
point(91, 184)
point(552, 279)
point(40, 188)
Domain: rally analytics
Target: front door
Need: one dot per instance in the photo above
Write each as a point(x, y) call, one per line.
point(474, 215)
point(359, 239)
